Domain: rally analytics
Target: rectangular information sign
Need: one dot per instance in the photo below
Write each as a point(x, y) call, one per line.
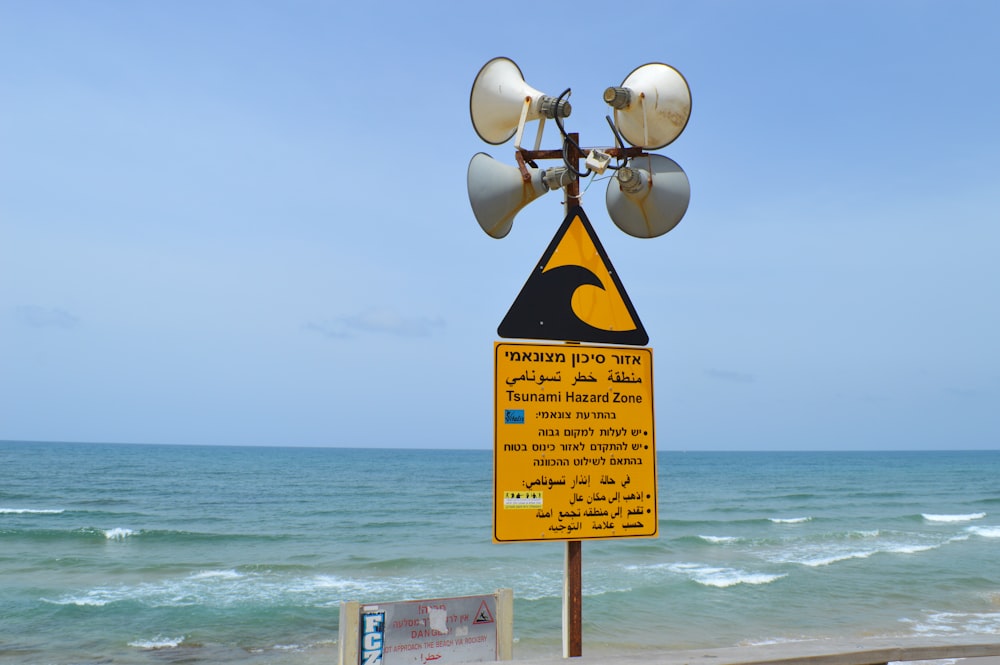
point(574, 454)
point(443, 631)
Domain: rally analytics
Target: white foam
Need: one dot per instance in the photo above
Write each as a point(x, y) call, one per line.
point(910, 549)
point(790, 520)
point(118, 533)
point(859, 545)
point(985, 531)
point(717, 540)
point(217, 574)
point(818, 561)
point(770, 641)
point(158, 642)
point(968, 517)
point(722, 577)
point(228, 587)
point(957, 623)
point(96, 598)
point(874, 533)
point(31, 511)
point(827, 558)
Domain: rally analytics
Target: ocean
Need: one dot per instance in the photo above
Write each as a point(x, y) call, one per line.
point(138, 554)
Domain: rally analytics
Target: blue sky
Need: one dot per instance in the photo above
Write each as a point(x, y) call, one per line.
point(247, 222)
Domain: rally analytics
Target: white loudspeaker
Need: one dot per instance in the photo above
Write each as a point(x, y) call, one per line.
point(497, 192)
point(652, 105)
point(649, 196)
point(501, 102)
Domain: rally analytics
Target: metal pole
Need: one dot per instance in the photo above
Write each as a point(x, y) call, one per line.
point(573, 574)
point(573, 601)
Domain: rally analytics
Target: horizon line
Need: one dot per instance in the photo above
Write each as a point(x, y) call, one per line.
point(485, 449)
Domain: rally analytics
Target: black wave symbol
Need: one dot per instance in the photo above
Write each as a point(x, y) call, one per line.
point(544, 308)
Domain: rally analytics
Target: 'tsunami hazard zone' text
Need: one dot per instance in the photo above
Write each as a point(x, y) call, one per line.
point(574, 444)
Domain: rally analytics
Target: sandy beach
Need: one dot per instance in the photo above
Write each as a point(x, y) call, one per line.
point(970, 650)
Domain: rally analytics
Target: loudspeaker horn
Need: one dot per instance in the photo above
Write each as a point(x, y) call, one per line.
point(501, 102)
point(652, 105)
point(497, 192)
point(648, 196)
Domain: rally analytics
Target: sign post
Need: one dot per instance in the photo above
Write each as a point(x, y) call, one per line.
point(574, 459)
point(574, 451)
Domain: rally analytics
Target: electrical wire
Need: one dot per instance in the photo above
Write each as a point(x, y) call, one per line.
point(568, 140)
point(618, 141)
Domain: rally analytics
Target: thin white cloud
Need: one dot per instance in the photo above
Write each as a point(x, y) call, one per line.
point(46, 317)
point(376, 321)
point(731, 376)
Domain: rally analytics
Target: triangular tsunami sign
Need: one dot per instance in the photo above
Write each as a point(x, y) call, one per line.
point(574, 294)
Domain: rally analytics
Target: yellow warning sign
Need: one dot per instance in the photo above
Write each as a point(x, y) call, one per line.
point(574, 453)
point(574, 294)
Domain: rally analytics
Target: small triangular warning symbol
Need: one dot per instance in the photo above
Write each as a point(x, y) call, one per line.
point(483, 615)
point(574, 294)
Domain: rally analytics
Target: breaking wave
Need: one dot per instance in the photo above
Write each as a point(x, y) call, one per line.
point(968, 517)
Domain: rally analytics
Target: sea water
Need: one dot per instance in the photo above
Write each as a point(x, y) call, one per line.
point(150, 554)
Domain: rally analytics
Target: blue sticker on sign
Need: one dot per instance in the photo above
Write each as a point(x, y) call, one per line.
point(513, 416)
point(372, 638)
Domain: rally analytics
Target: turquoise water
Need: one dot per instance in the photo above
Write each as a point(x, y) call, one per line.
point(146, 554)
